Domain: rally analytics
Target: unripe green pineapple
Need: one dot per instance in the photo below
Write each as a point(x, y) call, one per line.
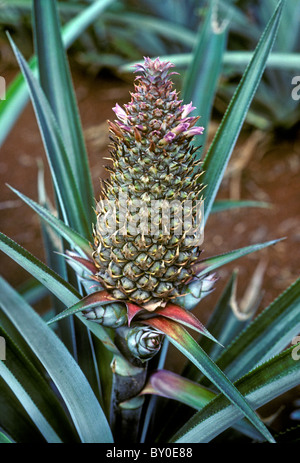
point(147, 233)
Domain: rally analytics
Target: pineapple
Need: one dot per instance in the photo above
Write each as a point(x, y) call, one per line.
point(144, 245)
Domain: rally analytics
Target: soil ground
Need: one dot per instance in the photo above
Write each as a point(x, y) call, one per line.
point(262, 168)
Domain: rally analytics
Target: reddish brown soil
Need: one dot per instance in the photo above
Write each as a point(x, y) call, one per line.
point(270, 172)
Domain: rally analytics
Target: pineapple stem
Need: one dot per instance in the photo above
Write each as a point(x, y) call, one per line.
point(126, 404)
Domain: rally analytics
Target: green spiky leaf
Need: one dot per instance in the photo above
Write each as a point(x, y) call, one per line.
point(17, 93)
point(265, 336)
point(76, 392)
point(65, 185)
point(220, 150)
point(58, 88)
point(259, 387)
point(81, 244)
point(203, 73)
point(212, 263)
point(59, 287)
point(178, 336)
point(44, 427)
point(88, 302)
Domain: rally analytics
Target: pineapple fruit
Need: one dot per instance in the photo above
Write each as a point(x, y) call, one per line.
point(147, 235)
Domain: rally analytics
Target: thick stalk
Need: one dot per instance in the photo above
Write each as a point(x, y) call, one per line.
point(129, 376)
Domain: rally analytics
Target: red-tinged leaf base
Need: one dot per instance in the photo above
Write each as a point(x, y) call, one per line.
point(173, 386)
point(92, 300)
point(88, 264)
point(171, 311)
point(180, 315)
point(132, 311)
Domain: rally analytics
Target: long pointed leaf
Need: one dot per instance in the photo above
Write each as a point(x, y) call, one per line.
point(88, 302)
point(79, 242)
point(212, 263)
point(168, 384)
point(17, 93)
point(178, 336)
point(176, 313)
point(85, 410)
point(74, 334)
point(224, 322)
point(31, 408)
point(53, 245)
point(206, 266)
point(220, 150)
point(26, 369)
point(60, 288)
point(266, 335)
point(201, 79)
point(226, 204)
point(289, 61)
point(58, 88)
point(65, 185)
point(260, 386)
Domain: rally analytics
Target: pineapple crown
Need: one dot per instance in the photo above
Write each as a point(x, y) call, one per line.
point(155, 114)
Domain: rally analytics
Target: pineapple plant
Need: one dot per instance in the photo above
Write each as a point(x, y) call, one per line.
point(129, 292)
point(149, 219)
